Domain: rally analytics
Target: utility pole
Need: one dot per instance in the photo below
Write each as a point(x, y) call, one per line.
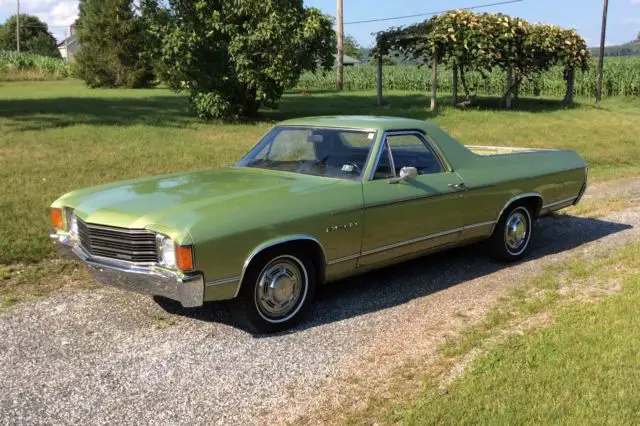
point(601, 58)
point(340, 77)
point(18, 28)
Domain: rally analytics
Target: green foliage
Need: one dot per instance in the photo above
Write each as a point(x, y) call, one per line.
point(34, 36)
point(153, 17)
point(45, 67)
point(232, 57)
point(352, 47)
point(112, 45)
point(621, 78)
point(386, 61)
point(483, 42)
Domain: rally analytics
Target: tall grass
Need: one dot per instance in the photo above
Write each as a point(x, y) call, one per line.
point(29, 66)
point(621, 78)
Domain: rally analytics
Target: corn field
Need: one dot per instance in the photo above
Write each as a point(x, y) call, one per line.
point(14, 65)
point(621, 78)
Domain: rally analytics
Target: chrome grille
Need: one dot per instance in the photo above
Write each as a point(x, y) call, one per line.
point(133, 245)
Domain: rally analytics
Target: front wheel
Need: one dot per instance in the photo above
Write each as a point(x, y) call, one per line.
point(276, 291)
point(512, 235)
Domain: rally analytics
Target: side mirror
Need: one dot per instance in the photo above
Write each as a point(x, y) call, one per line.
point(405, 174)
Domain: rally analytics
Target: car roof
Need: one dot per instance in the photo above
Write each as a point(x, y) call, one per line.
point(365, 122)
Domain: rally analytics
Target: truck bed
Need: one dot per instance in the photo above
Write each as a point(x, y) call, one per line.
point(502, 150)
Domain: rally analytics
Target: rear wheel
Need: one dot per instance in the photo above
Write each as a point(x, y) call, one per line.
point(276, 291)
point(512, 235)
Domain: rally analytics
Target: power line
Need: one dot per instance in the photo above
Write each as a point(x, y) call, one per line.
point(42, 25)
point(366, 21)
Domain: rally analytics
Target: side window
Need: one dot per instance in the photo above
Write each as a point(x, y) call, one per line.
point(384, 169)
point(412, 151)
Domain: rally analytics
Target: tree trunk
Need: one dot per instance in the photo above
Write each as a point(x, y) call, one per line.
point(463, 79)
point(536, 86)
point(379, 83)
point(507, 99)
point(434, 82)
point(516, 89)
point(455, 85)
point(570, 77)
point(250, 103)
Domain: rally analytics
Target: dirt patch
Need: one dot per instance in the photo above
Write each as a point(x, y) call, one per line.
point(20, 283)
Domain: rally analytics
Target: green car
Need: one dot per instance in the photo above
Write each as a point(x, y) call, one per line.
point(316, 200)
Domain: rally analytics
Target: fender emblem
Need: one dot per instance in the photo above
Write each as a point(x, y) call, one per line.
point(342, 227)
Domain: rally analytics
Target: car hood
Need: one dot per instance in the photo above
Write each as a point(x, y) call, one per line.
point(176, 201)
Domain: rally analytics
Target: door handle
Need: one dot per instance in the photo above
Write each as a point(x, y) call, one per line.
point(460, 185)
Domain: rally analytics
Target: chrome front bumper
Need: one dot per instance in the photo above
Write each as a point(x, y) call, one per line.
point(188, 289)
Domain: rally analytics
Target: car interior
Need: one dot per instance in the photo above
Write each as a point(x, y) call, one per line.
point(338, 153)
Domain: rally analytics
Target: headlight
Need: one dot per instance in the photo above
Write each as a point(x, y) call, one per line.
point(166, 251)
point(73, 224)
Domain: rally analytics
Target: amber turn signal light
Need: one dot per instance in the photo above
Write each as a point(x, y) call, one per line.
point(56, 218)
point(184, 258)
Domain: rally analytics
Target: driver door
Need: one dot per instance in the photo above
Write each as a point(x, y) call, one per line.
point(412, 215)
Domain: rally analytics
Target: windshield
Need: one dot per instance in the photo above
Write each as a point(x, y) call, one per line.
point(329, 152)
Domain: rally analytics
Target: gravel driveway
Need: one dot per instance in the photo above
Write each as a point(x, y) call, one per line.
point(107, 356)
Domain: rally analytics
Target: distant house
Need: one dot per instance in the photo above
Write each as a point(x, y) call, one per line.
point(348, 61)
point(69, 45)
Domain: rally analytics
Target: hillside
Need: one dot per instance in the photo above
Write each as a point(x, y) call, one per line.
point(627, 49)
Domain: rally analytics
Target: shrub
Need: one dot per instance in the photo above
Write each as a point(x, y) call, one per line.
point(232, 57)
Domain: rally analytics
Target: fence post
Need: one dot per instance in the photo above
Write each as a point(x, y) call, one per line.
point(379, 83)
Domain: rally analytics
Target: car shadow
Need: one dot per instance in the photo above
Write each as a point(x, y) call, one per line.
point(401, 283)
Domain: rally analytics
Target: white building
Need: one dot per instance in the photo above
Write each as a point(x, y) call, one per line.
point(69, 45)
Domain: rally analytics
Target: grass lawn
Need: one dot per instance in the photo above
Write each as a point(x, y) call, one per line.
point(582, 369)
point(58, 136)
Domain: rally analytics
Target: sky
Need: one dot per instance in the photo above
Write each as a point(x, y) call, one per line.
point(583, 15)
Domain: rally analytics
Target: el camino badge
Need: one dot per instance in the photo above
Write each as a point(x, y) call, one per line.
point(342, 227)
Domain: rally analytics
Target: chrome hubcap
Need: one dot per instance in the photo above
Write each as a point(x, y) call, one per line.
point(280, 288)
point(516, 232)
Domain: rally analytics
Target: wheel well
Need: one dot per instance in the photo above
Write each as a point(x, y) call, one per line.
point(310, 247)
point(533, 203)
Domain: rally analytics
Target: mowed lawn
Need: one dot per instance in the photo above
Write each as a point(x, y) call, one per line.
point(59, 136)
point(582, 368)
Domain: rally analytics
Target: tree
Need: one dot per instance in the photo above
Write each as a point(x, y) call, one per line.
point(481, 42)
point(386, 61)
point(34, 36)
point(352, 48)
point(232, 57)
point(112, 45)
